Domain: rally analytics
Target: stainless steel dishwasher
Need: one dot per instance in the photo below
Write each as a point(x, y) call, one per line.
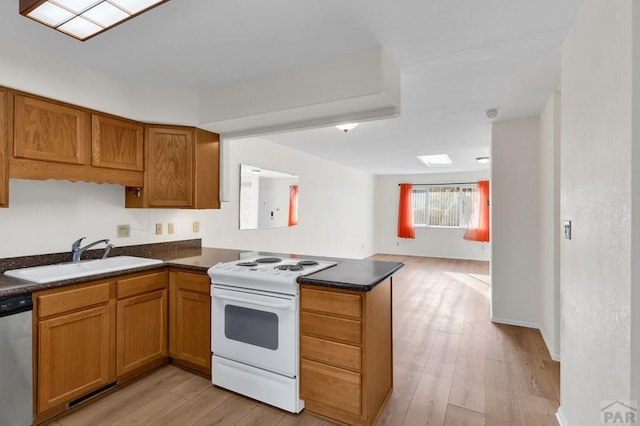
point(16, 384)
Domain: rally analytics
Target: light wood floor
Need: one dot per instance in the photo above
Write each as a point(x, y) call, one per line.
point(452, 366)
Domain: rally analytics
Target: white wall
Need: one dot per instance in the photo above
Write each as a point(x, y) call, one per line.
point(598, 100)
point(335, 202)
point(335, 211)
point(635, 213)
point(47, 216)
point(550, 230)
point(37, 72)
point(335, 205)
point(431, 242)
point(515, 295)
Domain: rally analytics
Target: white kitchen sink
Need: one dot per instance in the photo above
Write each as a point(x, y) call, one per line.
point(66, 271)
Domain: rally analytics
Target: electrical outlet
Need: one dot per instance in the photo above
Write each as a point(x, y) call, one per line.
point(196, 226)
point(124, 231)
point(158, 229)
point(169, 228)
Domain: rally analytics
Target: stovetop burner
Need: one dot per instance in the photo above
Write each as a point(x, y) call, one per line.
point(269, 260)
point(289, 267)
point(308, 263)
point(247, 264)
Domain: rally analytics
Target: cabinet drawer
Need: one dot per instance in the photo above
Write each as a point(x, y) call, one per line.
point(198, 282)
point(330, 386)
point(127, 287)
point(331, 327)
point(331, 302)
point(337, 354)
point(71, 299)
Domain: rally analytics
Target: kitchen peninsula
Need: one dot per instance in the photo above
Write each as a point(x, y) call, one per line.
point(345, 326)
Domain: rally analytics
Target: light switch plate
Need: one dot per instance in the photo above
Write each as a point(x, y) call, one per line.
point(158, 229)
point(567, 229)
point(170, 228)
point(196, 227)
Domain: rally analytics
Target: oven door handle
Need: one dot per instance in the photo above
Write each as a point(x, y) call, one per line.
point(253, 300)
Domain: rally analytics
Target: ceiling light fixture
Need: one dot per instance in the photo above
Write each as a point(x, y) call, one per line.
point(83, 19)
point(347, 126)
point(437, 160)
point(483, 160)
point(491, 113)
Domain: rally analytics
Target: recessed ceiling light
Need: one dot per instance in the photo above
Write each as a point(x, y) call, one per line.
point(83, 19)
point(347, 126)
point(436, 160)
point(483, 160)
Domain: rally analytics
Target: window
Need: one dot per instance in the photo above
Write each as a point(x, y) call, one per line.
point(443, 206)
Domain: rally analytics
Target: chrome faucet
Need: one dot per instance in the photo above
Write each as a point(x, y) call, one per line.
point(107, 249)
point(76, 250)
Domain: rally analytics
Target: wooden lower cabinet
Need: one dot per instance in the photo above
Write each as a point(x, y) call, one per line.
point(190, 324)
point(92, 335)
point(75, 348)
point(346, 356)
point(142, 322)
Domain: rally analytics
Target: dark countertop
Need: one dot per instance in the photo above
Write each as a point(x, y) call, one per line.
point(360, 275)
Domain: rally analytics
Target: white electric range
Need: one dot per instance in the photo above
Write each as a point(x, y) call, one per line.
point(255, 327)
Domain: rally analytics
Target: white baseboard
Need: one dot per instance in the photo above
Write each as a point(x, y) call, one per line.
point(561, 419)
point(554, 356)
point(515, 322)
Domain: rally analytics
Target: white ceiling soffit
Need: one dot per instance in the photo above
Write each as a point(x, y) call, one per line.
point(358, 87)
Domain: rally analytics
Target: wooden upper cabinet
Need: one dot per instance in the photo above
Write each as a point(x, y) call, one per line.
point(169, 179)
point(181, 169)
point(116, 143)
point(49, 131)
point(5, 132)
point(207, 175)
point(160, 165)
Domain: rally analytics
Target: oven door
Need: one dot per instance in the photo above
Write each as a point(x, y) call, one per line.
point(255, 328)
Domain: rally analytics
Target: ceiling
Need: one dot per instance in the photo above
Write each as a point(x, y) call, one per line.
point(456, 59)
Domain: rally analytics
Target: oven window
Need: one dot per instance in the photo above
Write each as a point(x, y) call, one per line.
point(251, 326)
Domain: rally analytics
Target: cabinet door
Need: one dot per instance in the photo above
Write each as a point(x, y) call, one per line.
point(4, 143)
point(190, 328)
point(330, 386)
point(49, 131)
point(169, 180)
point(75, 355)
point(142, 331)
point(116, 143)
point(207, 176)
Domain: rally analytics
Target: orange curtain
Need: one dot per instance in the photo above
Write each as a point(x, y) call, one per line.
point(293, 205)
point(478, 229)
point(405, 212)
